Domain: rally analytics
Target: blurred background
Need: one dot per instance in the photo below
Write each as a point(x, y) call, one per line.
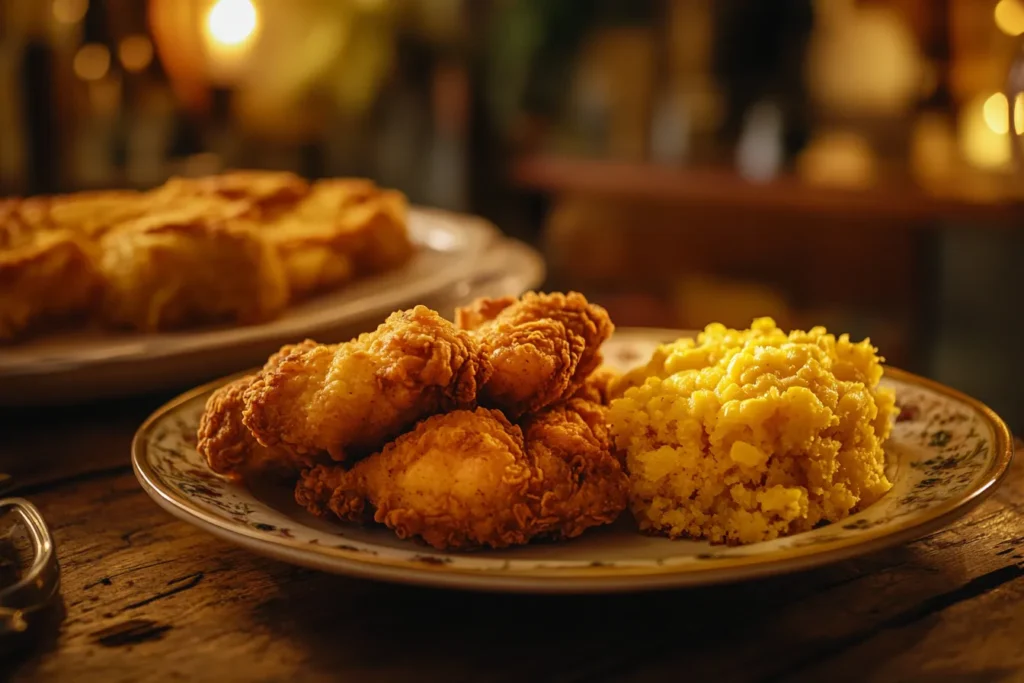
point(848, 163)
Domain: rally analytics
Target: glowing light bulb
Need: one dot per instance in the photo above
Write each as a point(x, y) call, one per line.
point(981, 142)
point(1009, 16)
point(997, 113)
point(232, 22)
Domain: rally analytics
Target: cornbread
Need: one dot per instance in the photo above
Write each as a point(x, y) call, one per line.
point(749, 435)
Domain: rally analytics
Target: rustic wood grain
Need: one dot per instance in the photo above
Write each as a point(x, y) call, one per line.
point(149, 598)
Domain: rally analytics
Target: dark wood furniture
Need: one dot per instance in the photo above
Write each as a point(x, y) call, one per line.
point(150, 598)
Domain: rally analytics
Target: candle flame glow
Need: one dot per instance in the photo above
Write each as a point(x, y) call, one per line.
point(232, 22)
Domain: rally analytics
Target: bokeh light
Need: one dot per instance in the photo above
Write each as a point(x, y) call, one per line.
point(92, 62)
point(1009, 16)
point(981, 142)
point(135, 53)
point(232, 22)
point(69, 11)
point(997, 114)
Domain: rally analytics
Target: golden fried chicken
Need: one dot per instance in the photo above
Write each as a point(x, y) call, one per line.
point(317, 486)
point(194, 264)
point(341, 229)
point(375, 225)
point(50, 276)
point(542, 347)
point(235, 247)
point(15, 229)
point(467, 479)
point(597, 388)
point(89, 215)
point(264, 194)
point(351, 398)
point(228, 445)
point(578, 482)
point(326, 232)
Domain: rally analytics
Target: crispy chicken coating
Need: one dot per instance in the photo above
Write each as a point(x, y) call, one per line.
point(190, 265)
point(228, 445)
point(351, 398)
point(542, 347)
point(597, 388)
point(235, 248)
point(50, 277)
point(341, 229)
point(467, 479)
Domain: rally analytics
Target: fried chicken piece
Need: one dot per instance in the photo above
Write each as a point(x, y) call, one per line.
point(325, 233)
point(195, 264)
point(597, 388)
point(542, 347)
point(50, 276)
point(316, 487)
point(89, 215)
point(467, 479)
point(578, 482)
point(228, 445)
point(264, 194)
point(343, 228)
point(351, 398)
point(15, 230)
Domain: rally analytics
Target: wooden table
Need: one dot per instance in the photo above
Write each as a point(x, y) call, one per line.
point(149, 598)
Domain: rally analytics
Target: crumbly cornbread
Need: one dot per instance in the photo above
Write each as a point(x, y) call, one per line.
point(748, 435)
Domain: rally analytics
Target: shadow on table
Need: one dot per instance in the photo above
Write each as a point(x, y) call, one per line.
point(775, 629)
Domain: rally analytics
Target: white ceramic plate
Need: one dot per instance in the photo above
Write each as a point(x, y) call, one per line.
point(947, 453)
point(459, 257)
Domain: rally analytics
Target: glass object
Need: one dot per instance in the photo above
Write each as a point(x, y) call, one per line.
point(29, 573)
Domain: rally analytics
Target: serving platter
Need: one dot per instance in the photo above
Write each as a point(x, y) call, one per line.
point(457, 257)
point(947, 453)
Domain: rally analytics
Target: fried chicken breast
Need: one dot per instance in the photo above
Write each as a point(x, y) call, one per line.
point(597, 388)
point(50, 276)
point(542, 347)
point(183, 266)
point(228, 445)
point(343, 228)
point(467, 479)
point(351, 398)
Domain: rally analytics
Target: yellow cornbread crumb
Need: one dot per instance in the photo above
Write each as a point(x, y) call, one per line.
point(748, 435)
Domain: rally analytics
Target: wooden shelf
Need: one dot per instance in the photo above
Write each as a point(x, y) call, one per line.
point(992, 205)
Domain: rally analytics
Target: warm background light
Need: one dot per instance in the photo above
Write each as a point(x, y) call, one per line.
point(983, 123)
point(1009, 15)
point(232, 22)
point(997, 114)
point(69, 11)
point(135, 53)
point(92, 62)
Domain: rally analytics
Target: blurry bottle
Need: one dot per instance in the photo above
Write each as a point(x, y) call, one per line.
point(99, 142)
point(760, 50)
point(448, 155)
point(220, 138)
point(35, 76)
point(12, 171)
